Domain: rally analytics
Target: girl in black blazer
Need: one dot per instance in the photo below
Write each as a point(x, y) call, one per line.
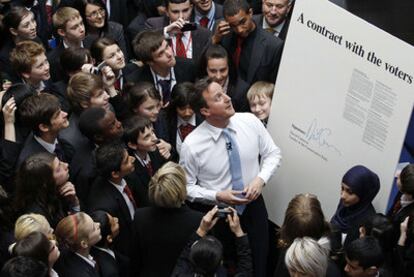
point(78, 233)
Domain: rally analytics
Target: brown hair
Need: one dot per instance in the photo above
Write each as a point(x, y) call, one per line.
point(70, 231)
point(146, 43)
point(81, 87)
point(303, 218)
point(63, 15)
point(23, 56)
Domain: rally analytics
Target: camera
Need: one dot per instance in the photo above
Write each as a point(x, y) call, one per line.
point(191, 26)
point(97, 69)
point(222, 213)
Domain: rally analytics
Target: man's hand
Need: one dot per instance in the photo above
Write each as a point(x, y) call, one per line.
point(207, 222)
point(223, 28)
point(254, 189)
point(229, 197)
point(176, 26)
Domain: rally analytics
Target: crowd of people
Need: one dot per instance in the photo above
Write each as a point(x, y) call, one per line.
point(134, 143)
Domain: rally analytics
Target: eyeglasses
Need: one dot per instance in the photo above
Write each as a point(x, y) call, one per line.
point(95, 14)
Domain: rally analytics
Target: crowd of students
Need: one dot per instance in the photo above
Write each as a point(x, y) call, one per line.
point(98, 98)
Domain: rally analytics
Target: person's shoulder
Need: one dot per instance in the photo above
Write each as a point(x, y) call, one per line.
point(115, 25)
point(246, 116)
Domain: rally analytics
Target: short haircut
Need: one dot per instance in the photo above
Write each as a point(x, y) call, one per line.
point(133, 127)
point(89, 122)
point(308, 256)
point(366, 251)
point(146, 43)
point(233, 7)
point(303, 210)
point(98, 47)
point(167, 188)
point(407, 180)
point(138, 93)
point(39, 109)
point(35, 245)
point(24, 266)
point(102, 218)
point(81, 88)
point(181, 96)
point(29, 223)
point(206, 255)
point(109, 158)
point(63, 15)
point(380, 227)
point(72, 59)
point(24, 55)
point(198, 102)
point(70, 231)
point(260, 89)
point(167, 2)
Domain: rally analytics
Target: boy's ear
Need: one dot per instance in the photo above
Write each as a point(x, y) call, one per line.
point(109, 239)
point(84, 244)
point(133, 146)
point(25, 75)
point(61, 32)
point(362, 232)
point(372, 271)
point(43, 128)
point(84, 104)
point(115, 174)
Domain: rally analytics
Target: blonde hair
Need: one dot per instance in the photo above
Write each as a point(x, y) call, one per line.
point(81, 87)
point(260, 89)
point(63, 15)
point(71, 230)
point(29, 223)
point(308, 256)
point(167, 187)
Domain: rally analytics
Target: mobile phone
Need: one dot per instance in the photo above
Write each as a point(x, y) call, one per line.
point(191, 26)
point(97, 69)
point(222, 213)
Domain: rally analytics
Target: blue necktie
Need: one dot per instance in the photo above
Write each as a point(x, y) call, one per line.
point(235, 165)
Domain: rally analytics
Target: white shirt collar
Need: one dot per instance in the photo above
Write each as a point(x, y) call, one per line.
point(50, 147)
point(88, 259)
point(53, 273)
point(120, 186)
point(181, 121)
point(277, 29)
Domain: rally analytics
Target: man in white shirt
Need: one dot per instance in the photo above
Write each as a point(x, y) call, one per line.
point(207, 155)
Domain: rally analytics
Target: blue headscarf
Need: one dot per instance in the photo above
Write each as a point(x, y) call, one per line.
point(364, 183)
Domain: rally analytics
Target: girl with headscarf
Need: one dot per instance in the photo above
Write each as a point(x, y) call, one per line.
point(359, 187)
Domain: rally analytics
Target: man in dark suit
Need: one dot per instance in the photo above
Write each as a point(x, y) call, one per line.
point(161, 67)
point(207, 13)
point(256, 53)
point(275, 17)
point(111, 193)
point(43, 114)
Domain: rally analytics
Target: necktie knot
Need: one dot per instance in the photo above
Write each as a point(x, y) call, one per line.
point(204, 21)
point(185, 130)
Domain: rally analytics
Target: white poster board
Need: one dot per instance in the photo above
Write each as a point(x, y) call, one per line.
point(343, 97)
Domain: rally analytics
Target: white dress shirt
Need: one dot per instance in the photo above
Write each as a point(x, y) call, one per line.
point(277, 29)
point(205, 160)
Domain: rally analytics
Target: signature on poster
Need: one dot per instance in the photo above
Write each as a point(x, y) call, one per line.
point(320, 136)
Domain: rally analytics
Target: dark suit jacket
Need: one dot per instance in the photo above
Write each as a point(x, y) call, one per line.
point(123, 11)
point(237, 90)
point(73, 135)
point(9, 152)
point(218, 14)
point(105, 196)
point(264, 57)
point(69, 265)
point(31, 146)
point(169, 231)
point(200, 37)
point(184, 71)
point(258, 19)
point(139, 179)
point(110, 266)
point(56, 71)
point(58, 89)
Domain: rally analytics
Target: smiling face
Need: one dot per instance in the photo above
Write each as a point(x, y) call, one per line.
point(260, 106)
point(99, 98)
point(275, 11)
point(95, 16)
point(26, 29)
point(114, 57)
point(203, 6)
point(146, 141)
point(218, 70)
